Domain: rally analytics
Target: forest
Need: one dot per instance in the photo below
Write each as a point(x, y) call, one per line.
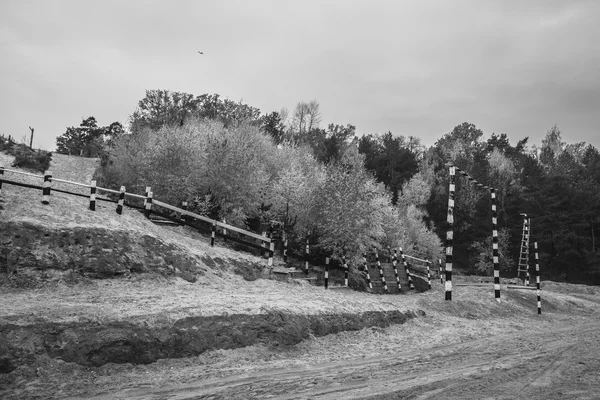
point(350, 193)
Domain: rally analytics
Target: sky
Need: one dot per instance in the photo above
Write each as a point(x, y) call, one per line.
point(415, 68)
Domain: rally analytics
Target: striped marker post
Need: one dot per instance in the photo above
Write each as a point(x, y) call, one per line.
point(428, 274)
point(213, 233)
point(46, 187)
point(271, 252)
point(367, 269)
point(441, 271)
point(450, 232)
point(326, 272)
point(93, 195)
point(121, 201)
point(148, 205)
point(395, 263)
point(285, 248)
point(263, 245)
point(184, 206)
point(345, 264)
point(148, 189)
point(224, 230)
point(410, 282)
point(1, 175)
point(306, 255)
point(381, 276)
point(495, 251)
point(537, 278)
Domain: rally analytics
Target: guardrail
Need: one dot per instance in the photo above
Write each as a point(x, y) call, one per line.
point(266, 243)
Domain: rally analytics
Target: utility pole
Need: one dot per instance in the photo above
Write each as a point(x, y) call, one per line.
point(31, 139)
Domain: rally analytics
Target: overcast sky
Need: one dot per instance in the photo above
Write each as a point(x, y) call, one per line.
point(411, 67)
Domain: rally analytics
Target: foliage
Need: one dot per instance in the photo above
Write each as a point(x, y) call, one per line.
point(37, 160)
point(88, 139)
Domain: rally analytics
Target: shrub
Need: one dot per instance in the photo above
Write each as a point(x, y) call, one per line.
point(38, 160)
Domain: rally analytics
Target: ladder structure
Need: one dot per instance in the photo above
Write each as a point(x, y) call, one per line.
point(523, 269)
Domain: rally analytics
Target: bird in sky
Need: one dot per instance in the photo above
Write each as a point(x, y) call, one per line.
point(199, 52)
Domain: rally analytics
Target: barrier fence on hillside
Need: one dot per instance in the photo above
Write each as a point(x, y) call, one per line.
point(149, 206)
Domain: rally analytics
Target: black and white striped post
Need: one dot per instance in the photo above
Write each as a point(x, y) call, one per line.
point(428, 274)
point(121, 201)
point(148, 204)
point(93, 195)
point(326, 272)
point(213, 233)
point(306, 255)
point(285, 248)
point(408, 277)
point(224, 230)
point(345, 264)
point(46, 187)
point(1, 175)
point(527, 274)
point(263, 245)
point(184, 207)
point(381, 276)
point(495, 250)
point(271, 252)
point(450, 232)
point(394, 264)
point(537, 278)
point(441, 271)
point(366, 264)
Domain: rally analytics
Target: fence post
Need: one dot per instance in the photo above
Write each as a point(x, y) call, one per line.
point(345, 270)
point(395, 263)
point(441, 271)
point(121, 200)
point(428, 275)
point(46, 187)
point(271, 252)
point(184, 206)
point(285, 247)
point(381, 276)
point(408, 277)
point(213, 230)
point(148, 204)
point(537, 278)
point(326, 272)
point(93, 196)
point(367, 269)
point(224, 230)
point(1, 175)
point(450, 232)
point(263, 246)
point(148, 189)
point(306, 257)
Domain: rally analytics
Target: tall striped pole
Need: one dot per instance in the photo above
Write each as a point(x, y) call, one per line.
point(385, 288)
point(148, 205)
point(271, 252)
point(326, 272)
point(148, 189)
point(441, 271)
point(345, 264)
point(121, 200)
point(495, 251)
point(307, 254)
point(46, 187)
point(428, 274)
point(537, 278)
point(395, 263)
point(93, 195)
point(408, 277)
point(450, 233)
point(367, 269)
point(213, 232)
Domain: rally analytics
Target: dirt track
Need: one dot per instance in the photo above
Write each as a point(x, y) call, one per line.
point(532, 363)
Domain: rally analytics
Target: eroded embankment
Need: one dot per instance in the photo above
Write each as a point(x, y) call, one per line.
point(124, 342)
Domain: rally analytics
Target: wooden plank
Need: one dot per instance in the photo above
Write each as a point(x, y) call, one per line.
point(108, 190)
point(521, 287)
point(415, 258)
point(24, 173)
point(69, 182)
point(473, 284)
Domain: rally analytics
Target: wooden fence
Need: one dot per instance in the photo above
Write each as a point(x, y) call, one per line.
point(150, 206)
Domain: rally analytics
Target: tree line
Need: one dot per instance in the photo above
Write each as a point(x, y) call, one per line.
point(349, 193)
